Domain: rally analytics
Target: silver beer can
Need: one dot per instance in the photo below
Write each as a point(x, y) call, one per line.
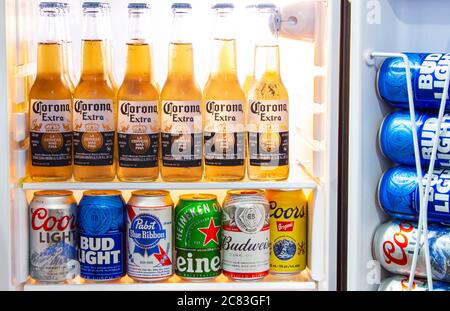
point(149, 235)
point(53, 236)
point(246, 235)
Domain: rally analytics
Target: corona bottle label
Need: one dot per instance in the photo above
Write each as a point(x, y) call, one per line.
point(138, 134)
point(51, 132)
point(94, 132)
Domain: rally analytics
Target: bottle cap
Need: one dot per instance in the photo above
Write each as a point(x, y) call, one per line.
point(139, 6)
point(184, 6)
point(220, 6)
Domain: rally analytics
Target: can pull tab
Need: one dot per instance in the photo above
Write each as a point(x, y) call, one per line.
point(297, 21)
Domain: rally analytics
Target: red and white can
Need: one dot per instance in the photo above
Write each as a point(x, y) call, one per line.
point(246, 235)
point(53, 236)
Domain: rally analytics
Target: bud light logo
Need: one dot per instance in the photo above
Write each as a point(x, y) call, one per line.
point(146, 231)
point(284, 249)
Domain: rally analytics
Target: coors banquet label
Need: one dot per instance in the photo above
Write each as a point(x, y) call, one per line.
point(224, 133)
point(181, 133)
point(93, 132)
point(51, 132)
point(268, 132)
point(138, 134)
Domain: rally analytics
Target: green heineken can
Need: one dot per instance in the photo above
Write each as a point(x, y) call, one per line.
point(198, 223)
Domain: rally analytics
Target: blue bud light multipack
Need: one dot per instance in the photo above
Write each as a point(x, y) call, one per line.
point(396, 138)
point(428, 71)
point(102, 235)
point(398, 194)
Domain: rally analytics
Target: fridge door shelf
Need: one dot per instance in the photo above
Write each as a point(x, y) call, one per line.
point(299, 282)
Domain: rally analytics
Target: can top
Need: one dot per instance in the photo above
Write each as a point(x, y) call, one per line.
point(53, 193)
point(102, 193)
point(150, 193)
point(246, 192)
point(198, 197)
point(285, 190)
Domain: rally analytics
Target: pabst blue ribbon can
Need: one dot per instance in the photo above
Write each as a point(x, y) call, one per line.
point(102, 235)
point(400, 283)
point(149, 235)
point(53, 236)
point(398, 194)
point(393, 248)
point(428, 72)
point(396, 138)
point(246, 235)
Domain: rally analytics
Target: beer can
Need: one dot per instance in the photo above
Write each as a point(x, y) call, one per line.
point(396, 138)
point(246, 235)
point(53, 236)
point(398, 194)
point(288, 227)
point(197, 237)
point(400, 283)
point(426, 76)
point(393, 247)
point(149, 235)
point(102, 235)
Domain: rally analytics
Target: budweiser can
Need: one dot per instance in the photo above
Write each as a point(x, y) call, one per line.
point(400, 283)
point(393, 247)
point(53, 236)
point(149, 235)
point(246, 234)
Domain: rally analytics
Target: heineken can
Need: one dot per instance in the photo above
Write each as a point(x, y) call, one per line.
point(197, 237)
point(288, 226)
point(246, 235)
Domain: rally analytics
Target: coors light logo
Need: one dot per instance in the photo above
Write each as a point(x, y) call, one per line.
point(394, 252)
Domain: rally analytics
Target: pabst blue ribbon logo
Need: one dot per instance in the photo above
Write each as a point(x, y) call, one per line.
point(146, 231)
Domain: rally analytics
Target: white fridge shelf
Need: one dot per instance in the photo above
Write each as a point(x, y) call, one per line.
point(299, 178)
point(300, 282)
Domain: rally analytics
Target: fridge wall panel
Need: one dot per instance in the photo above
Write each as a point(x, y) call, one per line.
point(382, 26)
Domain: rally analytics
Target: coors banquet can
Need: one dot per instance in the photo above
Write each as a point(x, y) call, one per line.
point(197, 237)
point(288, 226)
point(246, 235)
point(393, 248)
point(427, 77)
point(53, 236)
point(149, 232)
point(400, 283)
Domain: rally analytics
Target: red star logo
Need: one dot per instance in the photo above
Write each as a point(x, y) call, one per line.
point(210, 232)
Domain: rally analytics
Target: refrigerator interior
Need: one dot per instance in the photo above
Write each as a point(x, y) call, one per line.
point(381, 26)
point(309, 69)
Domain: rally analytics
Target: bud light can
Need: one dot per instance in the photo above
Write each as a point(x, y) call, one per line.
point(149, 235)
point(246, 235)
point(398, 194)
point(393, 248)
point(400, 283)
point(102, 235)
point(53, 236)
point(288, 213)
point(428, 73)
point(396, 138)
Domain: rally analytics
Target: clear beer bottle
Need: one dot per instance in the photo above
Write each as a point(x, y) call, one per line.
point(50, 106)
point(268, 104)
point(138, 100)
point(94, 104)
point(181, 117)
point(223, 105)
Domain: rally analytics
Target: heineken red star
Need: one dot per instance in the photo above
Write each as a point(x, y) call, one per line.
point(197, 237)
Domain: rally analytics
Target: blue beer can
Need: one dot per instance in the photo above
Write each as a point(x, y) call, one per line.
point(102, 235)
point(428, 72)
point(398, 194)
point(396, 138)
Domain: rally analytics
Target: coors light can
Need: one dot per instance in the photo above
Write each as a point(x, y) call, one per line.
point(393, 247)
point(400, 283)
point(246, 234)
point(53, 238)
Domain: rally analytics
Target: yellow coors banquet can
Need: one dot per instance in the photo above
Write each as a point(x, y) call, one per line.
point(288, 225)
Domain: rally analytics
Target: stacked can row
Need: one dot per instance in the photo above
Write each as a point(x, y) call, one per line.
point(398, 189)
point(103, 238)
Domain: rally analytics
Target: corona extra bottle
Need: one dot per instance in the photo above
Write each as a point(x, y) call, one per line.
point(268, 105)
point(181, 97)
point(138, 99)
point(50, 104)
point(223, 110)
point(67, 47)
point(94, 104)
